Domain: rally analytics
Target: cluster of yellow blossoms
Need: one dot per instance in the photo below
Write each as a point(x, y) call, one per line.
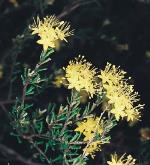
point(120, 94)
point(91, 127)
point(81, 76)
point(115, 160)
point(50, 30)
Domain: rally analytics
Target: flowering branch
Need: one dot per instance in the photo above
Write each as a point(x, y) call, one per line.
point(52, 130)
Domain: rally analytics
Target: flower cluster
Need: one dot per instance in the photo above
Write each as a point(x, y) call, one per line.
point(50, 30)
point(115, 160)
point(92, 147)
point(88, 126)
point(81, 76)
point(91, 128)
point(120, 94)
point(109, 85)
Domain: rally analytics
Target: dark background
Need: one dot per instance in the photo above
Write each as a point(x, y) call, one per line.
point(116, 31)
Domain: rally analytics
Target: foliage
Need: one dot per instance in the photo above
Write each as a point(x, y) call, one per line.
point(55, 124)
point(51, 130)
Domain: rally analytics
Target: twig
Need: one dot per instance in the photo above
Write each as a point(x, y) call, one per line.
point(66, 161)
point(40, 151)
point(70, 107)
point(13, 155)
point(24, 92)
point(73, 6)
point(3, 103)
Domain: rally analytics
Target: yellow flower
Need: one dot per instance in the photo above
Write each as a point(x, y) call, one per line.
point(120, 94)
point(50, 29)
point(81, 75)
point(62, 30)
point(92, 148)
point(88, 126)
point(115, 160)
point(91, 128)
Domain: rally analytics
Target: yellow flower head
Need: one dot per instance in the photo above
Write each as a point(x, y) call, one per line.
point(90, 128)
point(81, 76)
point(115, 160)
point(62, 30)
point(112, 75)
point(92, 148)
point(120, 94)
point(50, 29)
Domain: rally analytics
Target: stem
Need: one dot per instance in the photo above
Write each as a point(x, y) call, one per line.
point(15, 156)
point(66, 122)
point(24, 91)
point(66, 161)
point(73, 102)
point(40, 151)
